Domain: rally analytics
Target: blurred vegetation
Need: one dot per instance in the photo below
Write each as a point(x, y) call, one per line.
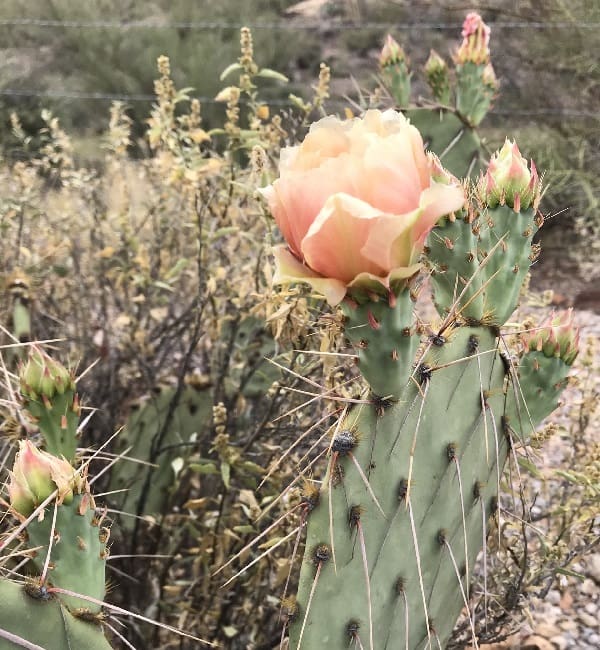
point(154, 276)
point(549, 73)
point(121, 61)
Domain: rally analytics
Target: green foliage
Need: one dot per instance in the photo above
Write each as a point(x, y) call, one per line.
point(120, 61)
point(154, 272)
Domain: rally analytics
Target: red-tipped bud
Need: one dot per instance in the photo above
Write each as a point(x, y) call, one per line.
point(476, 39)
point(43, 377)
point(509, 180)
point(391, 53)
point(36, 475)
point(556, 337)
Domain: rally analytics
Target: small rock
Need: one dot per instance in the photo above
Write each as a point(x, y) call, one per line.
point(566, 601)
point(591, 608)
point(568, 625)
point(547, 629)
point(537, 642)
point(594, 640)
point(560, 642)
point(588, 619)
point(593, 567)
point(588, 587)
point(553, 597)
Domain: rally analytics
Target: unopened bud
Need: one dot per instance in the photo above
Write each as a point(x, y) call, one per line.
point(509, 180)
point(436, 71)
point(391, 52)
point(36, 475)
point(557, 337)
point(476, 39)
point(42, 376)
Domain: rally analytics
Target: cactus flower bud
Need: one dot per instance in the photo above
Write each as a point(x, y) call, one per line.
point(476, 39)
point(509, 180)
point(35, 476)
point(436, 71)
point(42, 376)
point(394, 67)
point(489, 77)
point(391, 53)
point(557, 337)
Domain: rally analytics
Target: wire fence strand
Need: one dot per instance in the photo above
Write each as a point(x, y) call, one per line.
point(288, 25)
point(336, 101)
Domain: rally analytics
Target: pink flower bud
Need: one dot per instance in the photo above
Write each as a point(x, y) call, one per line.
point(509, 180)
point(557, 337)
point(476, 38)
point(36, 475)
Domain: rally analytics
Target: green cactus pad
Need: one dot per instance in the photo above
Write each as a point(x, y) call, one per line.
point(473, 96)
point(58, 423)
point(457, 144)
point(191, 416)
point(45, 623)
point(450, 418)
point(386, 342)
point(78, 556)
point(534, 392)
point(485, 260)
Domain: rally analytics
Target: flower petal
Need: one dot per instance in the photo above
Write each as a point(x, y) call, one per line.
point(297, 197)
point(289, 270)
point(375, 282)
point(333, 243)
point(437, 201)
point(391, 240)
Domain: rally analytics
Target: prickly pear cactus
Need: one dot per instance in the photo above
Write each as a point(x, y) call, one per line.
point(461, 100)
point(60, 604)
point(153, 483)
point(414, 472)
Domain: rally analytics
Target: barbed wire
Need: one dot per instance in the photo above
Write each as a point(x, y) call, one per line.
point(287, 25)
point(341, 102)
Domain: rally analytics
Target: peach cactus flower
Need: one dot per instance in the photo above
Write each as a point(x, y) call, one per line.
point(354, 202)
